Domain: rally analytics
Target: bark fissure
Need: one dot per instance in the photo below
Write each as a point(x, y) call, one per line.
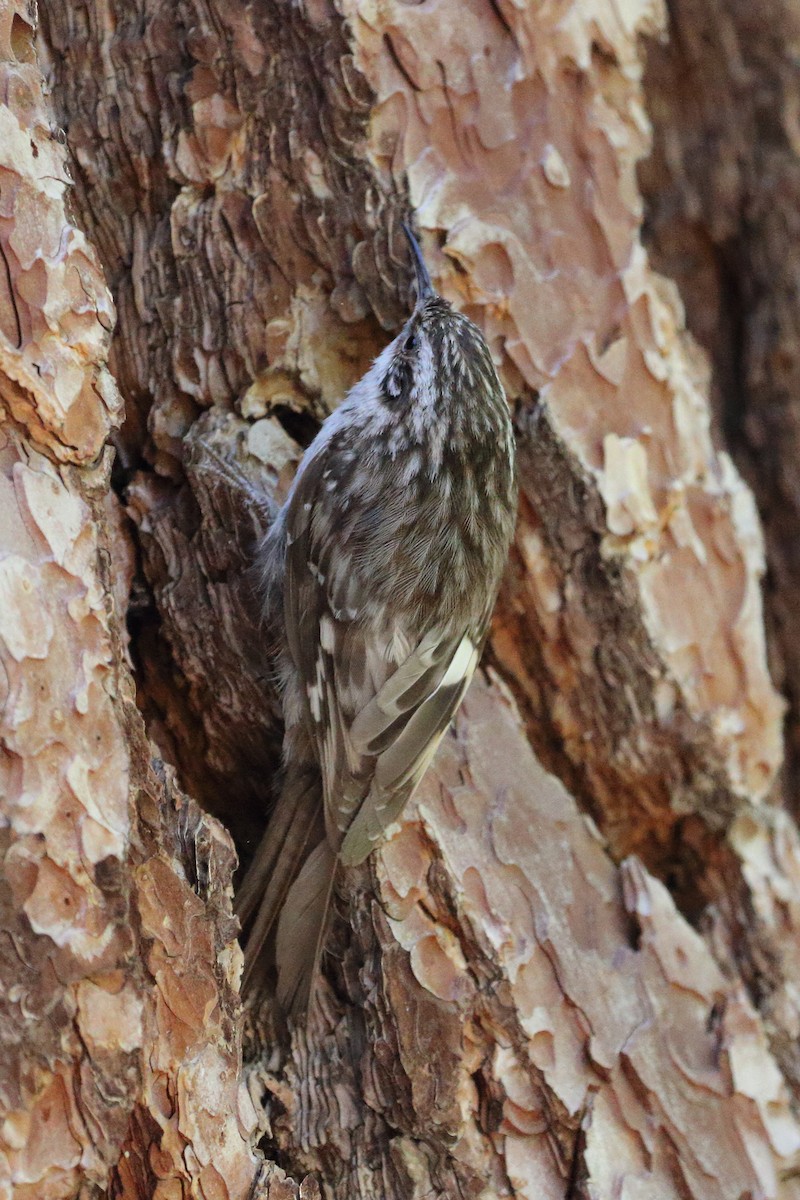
point(528, 991)
point(713, 224)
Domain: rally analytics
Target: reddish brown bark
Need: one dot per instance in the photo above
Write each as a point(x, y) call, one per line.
point(568, 984)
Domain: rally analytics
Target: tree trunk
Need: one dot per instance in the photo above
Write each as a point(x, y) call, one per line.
point(573, 969)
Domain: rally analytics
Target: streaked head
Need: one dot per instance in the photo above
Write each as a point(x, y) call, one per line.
point(439, 352)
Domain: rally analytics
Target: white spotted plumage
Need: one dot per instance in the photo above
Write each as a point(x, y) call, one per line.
point(380, 575)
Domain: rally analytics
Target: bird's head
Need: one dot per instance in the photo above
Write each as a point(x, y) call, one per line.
point(439, 355)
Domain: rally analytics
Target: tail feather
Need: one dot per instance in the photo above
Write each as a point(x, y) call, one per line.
point(270, 850)
point(302, 928)
point(294, 828)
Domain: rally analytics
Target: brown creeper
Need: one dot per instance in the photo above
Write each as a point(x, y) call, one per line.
point(380, 574)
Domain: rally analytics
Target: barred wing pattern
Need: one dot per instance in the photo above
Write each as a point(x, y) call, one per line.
point(402, 727)
point(380, 693)
point(383, 564)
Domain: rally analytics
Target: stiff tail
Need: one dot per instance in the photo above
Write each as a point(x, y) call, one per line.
point(293, 831)
point(302, 929)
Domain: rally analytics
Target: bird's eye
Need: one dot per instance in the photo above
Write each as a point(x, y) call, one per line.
point(410, 343)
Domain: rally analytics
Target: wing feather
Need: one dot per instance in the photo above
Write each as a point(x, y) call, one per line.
point(400, 766)
point(379, 692)
point(302, 928)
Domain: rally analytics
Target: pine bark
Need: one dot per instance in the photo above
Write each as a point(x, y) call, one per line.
point(573, 969)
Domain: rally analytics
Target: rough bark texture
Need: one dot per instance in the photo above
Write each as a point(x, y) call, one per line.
point(723, 219)
point(577, 983)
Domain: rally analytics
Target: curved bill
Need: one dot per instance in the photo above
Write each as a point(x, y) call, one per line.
point(424, 286)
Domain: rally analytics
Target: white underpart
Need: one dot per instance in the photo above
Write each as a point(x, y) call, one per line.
point(364, 397)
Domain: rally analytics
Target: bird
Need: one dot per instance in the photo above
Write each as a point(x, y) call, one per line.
point(379, 576)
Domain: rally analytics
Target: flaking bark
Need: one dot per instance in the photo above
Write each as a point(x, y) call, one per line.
point(540, 986)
